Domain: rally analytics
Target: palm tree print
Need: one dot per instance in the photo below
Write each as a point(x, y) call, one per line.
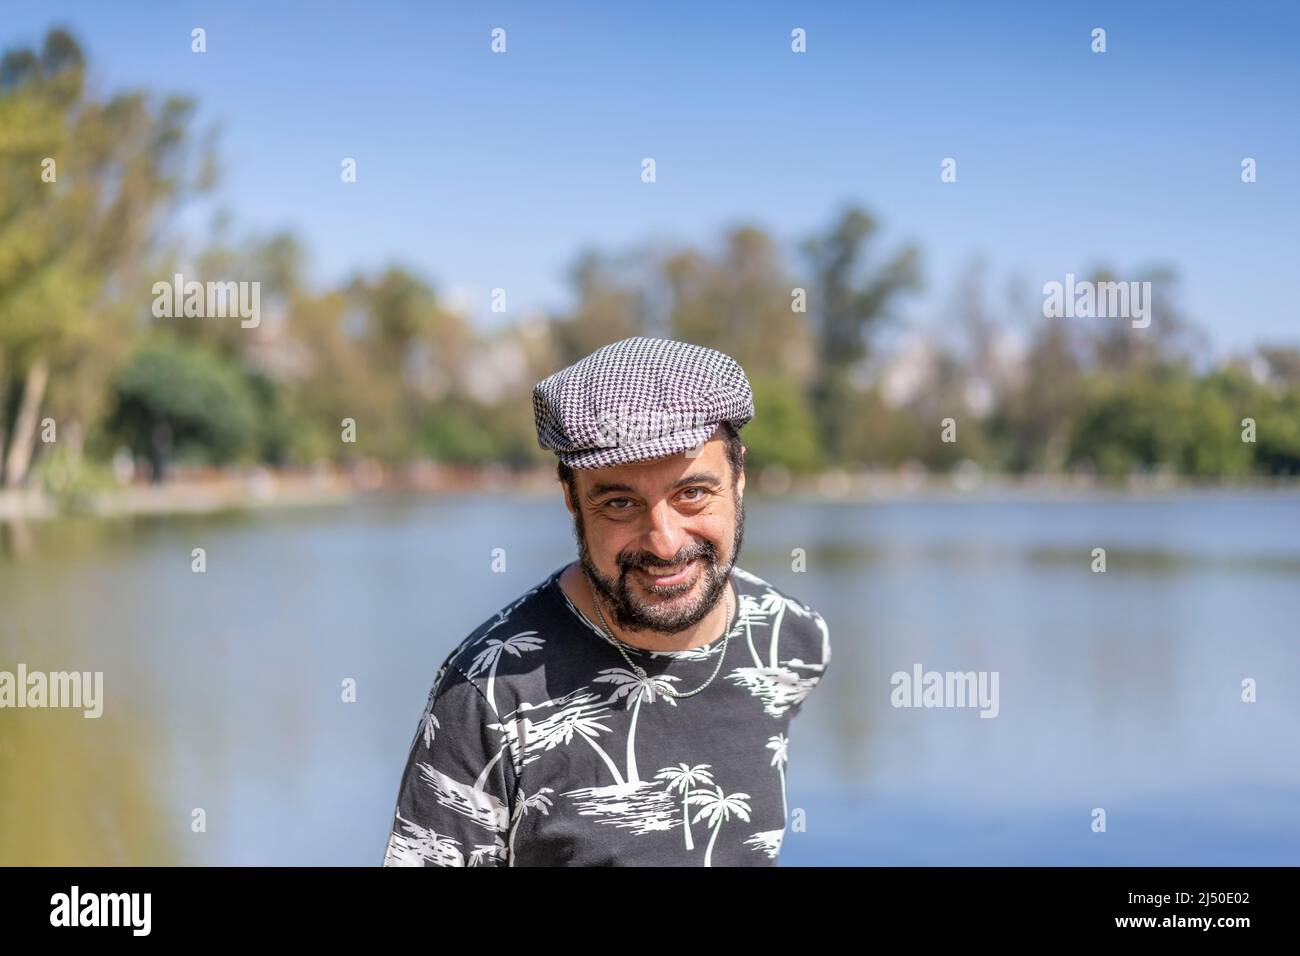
point(780, 746)
point(776, 624)
point(579, 718)
point(539, 801)
point(483, 807)
point(770, 609)
point(527, 737)
point(420, 845)
point(767, 842)
point(771, 605)
point(749, 614)
point(777, 683)
point(635, 687)
point(491, 851)
point(719, 807)
point(505, 729)
point(487, 659)
point(793, 607)
point(504, 614)
point(780, 688)
point(682, 778)
point(431, 725)
point(504, 782)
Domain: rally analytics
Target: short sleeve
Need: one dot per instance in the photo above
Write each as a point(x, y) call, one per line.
point(454, 800)
point(813, 660)
point(825, 633)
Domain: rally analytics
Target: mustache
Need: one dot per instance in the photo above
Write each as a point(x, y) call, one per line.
point(646, 561)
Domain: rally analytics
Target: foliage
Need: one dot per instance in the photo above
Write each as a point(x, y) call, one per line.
point(174, 399)
point(383, 349)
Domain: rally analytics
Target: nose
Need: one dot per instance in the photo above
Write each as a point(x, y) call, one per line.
point(665, 537)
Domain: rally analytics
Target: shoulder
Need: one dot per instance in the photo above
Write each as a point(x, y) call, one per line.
point(510, 641)
point(751, 588)
point(805, 638)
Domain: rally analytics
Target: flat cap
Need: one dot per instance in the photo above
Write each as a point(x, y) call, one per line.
point(639, 399)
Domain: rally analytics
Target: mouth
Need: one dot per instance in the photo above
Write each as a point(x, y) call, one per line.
point(669, 580)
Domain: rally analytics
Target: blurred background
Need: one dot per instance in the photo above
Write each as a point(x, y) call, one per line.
point(435, 226)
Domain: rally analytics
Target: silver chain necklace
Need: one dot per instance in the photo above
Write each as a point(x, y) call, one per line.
point(640, 671)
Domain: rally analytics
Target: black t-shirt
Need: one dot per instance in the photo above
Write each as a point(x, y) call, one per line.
point(540, 746)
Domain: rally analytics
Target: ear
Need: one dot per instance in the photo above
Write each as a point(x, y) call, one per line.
point(568, 502)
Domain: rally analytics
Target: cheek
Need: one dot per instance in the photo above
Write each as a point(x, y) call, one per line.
point(607, 542)
point(716, 529)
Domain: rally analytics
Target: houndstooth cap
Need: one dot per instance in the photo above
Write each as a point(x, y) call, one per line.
point(639, 399)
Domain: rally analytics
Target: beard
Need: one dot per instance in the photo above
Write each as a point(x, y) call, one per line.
point(634, 614)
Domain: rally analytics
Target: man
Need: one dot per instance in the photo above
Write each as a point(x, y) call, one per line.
point(634, 707)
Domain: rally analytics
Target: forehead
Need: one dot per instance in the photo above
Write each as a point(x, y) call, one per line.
point(658, 474)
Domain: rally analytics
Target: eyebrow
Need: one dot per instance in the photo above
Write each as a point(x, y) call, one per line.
point(695, 478)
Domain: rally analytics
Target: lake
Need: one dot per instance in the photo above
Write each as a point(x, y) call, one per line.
point(1118, 691)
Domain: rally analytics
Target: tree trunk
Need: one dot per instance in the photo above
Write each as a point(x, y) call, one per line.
point(24, 437)
point(160, 450)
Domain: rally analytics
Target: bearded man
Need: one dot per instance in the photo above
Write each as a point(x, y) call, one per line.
point(633, 708)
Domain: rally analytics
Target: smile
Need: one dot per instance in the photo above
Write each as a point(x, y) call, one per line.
point(668, 580)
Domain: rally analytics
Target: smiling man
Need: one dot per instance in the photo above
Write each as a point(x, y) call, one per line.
point(634, 707)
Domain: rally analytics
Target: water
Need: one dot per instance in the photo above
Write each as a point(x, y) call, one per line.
point(1120, 691)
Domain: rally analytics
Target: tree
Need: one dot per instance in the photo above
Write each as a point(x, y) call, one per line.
point(740, 302)
point(75, 236)
point(611, 296)
point(1168, 419)
point(176, 399)
point(849, 298)
point(784, 432)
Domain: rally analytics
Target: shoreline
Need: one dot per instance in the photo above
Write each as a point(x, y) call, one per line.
point(210, 491)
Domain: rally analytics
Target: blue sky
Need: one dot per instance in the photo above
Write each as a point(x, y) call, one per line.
point(483, 171)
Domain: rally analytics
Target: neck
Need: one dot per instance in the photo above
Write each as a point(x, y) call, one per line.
point(574, 582)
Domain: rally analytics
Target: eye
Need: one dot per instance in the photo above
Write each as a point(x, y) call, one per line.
point(698, 497)
point(613, 503)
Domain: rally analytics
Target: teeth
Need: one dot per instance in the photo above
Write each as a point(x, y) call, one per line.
point(671, 574)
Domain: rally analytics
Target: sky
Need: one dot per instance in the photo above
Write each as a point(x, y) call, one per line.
point(484, 170)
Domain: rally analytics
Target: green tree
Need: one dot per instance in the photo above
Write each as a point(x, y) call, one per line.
point(849, 298)
point(84, 185)
point(1168, 419)
point(741, 303)
point(1277, 439)
point(173, 399)
point(610, 294)
point(784, 433)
